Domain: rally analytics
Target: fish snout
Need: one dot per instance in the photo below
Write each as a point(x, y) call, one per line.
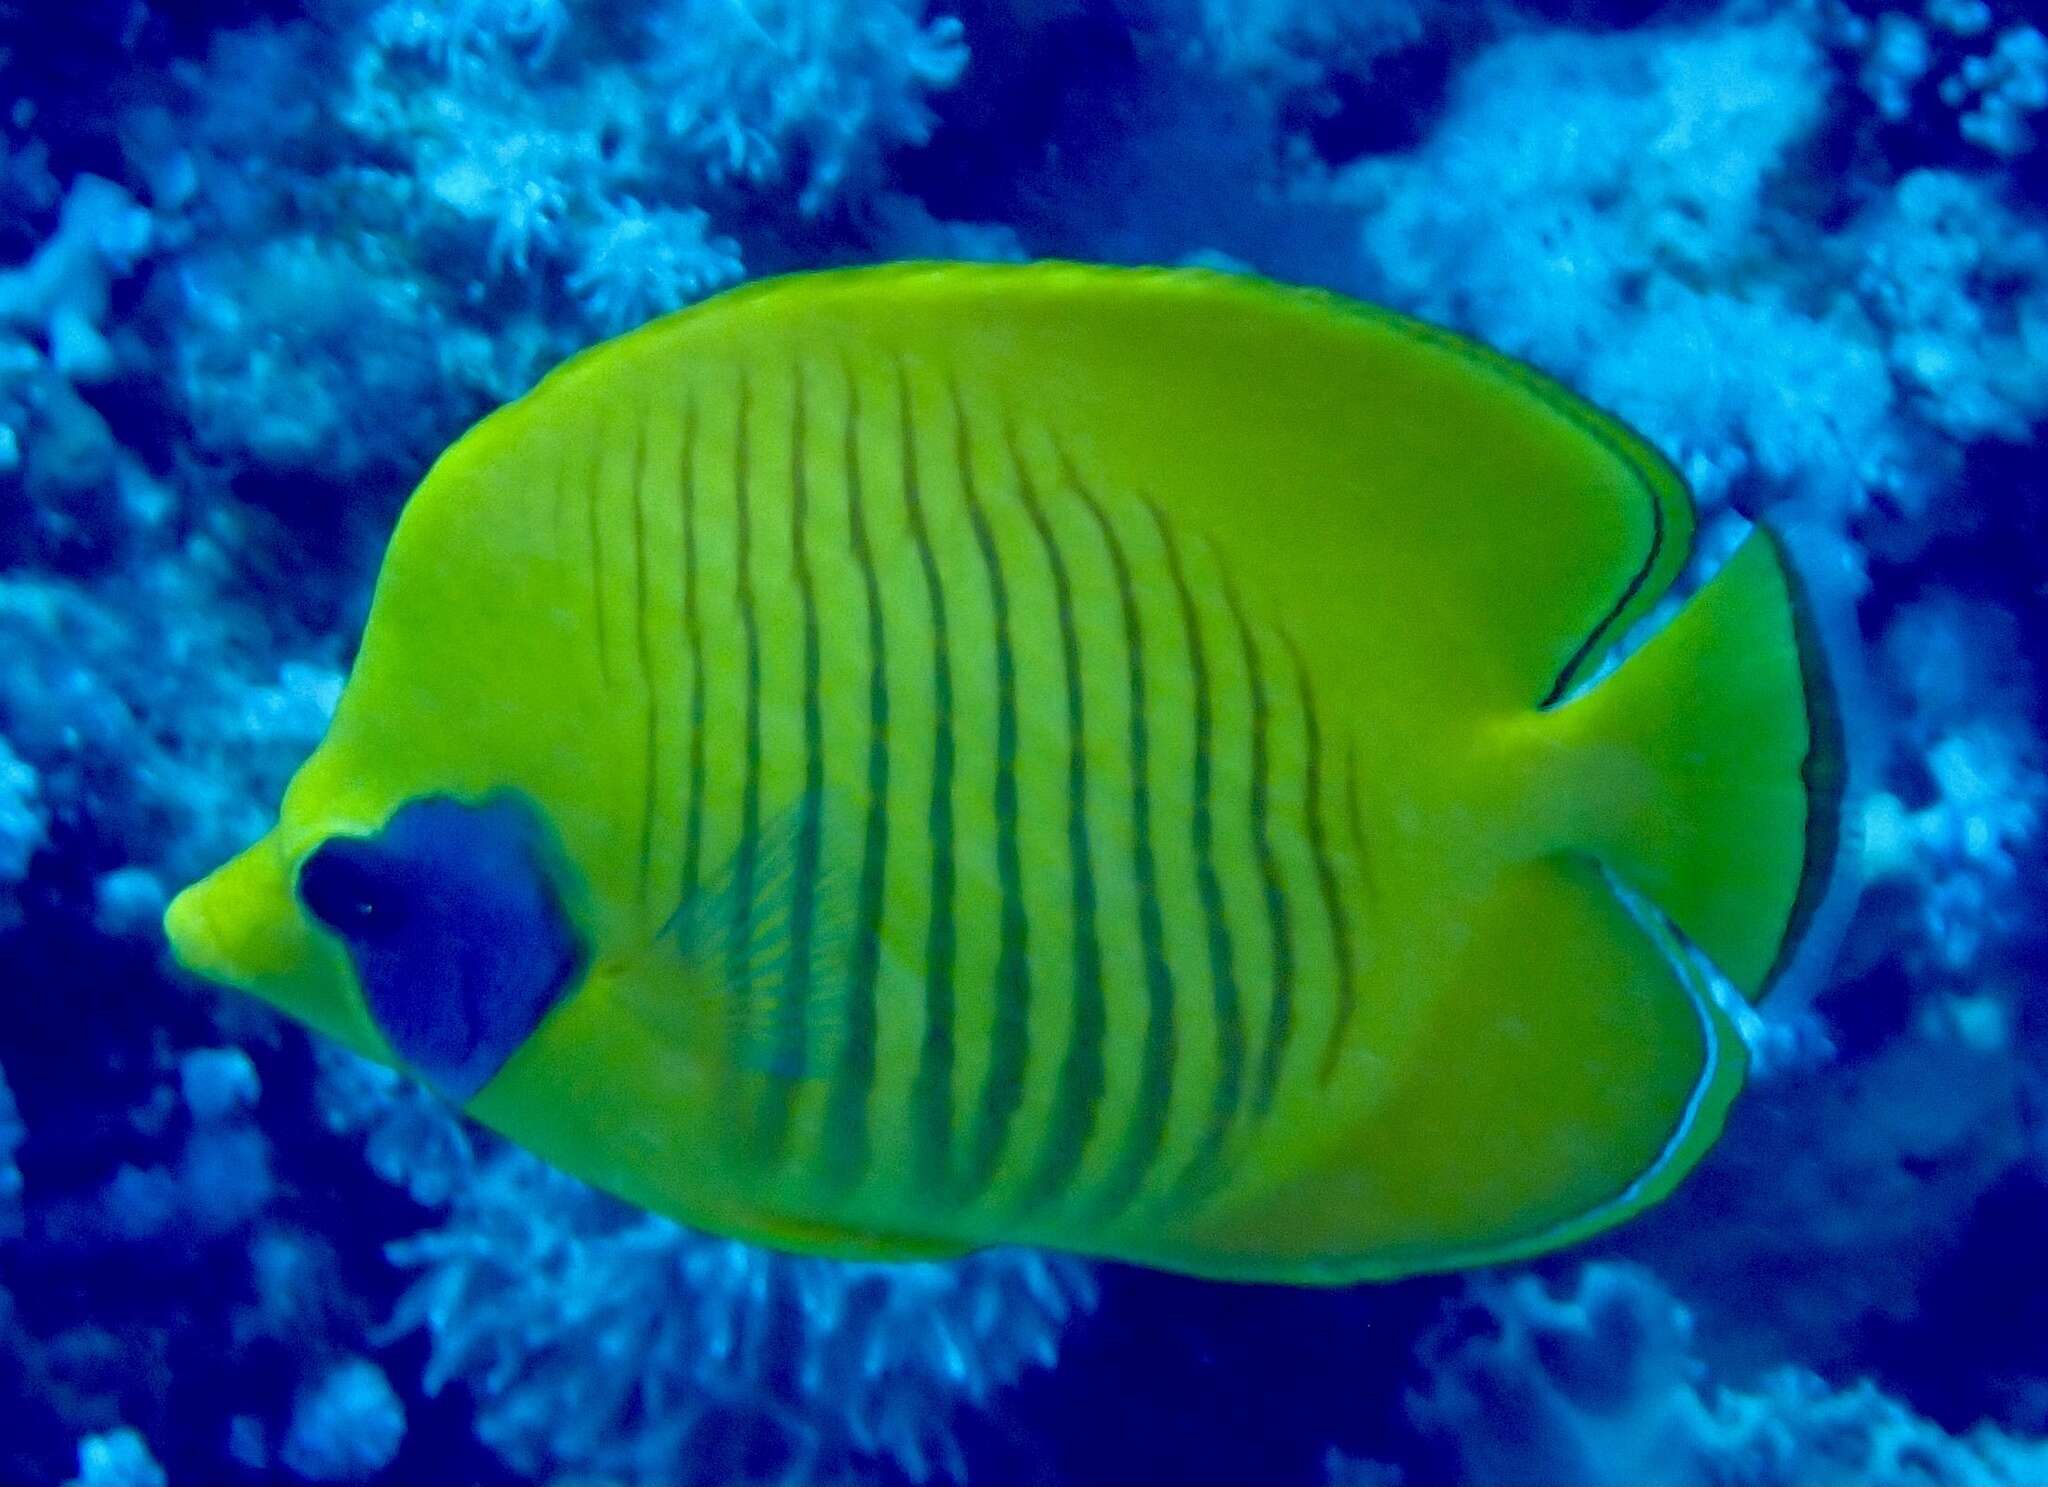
point(241, 926)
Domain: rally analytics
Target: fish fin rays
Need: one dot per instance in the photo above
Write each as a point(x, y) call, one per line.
point(762, 949)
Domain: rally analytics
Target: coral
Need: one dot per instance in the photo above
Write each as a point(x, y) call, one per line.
point(1981, 65)
point(721, 95)
point(1598, 206)
point(1609, 208)
point(302, 353)
point(2006, 87)
point(60, 296)
point(809, 90)
point(1958, 283)
point(535, 1290)
point(53, 343)
point(1975, 773)
point(117, 1458)
point(220, 1181)
point(1296, 42)
point(1601, 1385)
point(347, 1427)
point(22, 827)
point(146, 734)
point(640, 264)
point(601, 1342)
point(1841, 1189)
point(407, 1135)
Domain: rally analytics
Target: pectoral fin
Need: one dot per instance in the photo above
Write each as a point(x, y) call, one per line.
point(761, 951)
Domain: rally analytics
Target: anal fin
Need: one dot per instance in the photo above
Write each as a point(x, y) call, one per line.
point(1573, 1068)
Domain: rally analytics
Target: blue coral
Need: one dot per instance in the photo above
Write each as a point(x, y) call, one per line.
point(727, 1362)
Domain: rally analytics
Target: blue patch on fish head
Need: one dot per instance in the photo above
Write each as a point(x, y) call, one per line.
point(458, 938)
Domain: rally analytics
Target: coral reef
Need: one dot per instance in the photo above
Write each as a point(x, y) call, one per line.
point(259, 263)
point(731, 1364)
point(1602, 1386)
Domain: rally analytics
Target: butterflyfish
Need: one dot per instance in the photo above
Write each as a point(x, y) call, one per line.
point(890, 761)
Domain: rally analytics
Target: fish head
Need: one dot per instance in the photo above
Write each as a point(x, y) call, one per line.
point(447, 864)
point(437, 940)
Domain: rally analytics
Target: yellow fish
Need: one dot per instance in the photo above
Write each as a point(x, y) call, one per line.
point(897, 760)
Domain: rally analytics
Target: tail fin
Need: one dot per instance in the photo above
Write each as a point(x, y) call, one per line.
point(1716, 767)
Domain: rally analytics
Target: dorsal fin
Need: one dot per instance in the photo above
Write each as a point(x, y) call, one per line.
point(1398, 490)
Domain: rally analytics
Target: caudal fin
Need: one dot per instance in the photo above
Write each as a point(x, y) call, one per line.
point(1714, 767)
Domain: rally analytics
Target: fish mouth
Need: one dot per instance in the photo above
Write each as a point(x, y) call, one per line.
point(195, 937)
point(240, 927)
point(236, 926)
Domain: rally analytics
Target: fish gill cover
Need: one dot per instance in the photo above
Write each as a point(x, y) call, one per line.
point(261, 261)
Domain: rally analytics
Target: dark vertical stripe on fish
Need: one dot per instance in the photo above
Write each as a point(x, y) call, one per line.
point(846, 1140)
point(693, 636)
point(1155, 1072)
point(643, 651)
point(931, 1094)
point(1002, 1089)
point(1201, 1168)
point(1280, 1018)
point(1355, 816)
point(562, 514)
point(590, 506)
point(739, 954)
point(791, 1032)
point(1334, 907)
point(1077, 1098)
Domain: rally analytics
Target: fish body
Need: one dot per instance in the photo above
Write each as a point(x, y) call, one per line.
point(1057, 755)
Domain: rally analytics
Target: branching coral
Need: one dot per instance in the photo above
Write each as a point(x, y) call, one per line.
point(1601, 1385)
point(1612, 209)
point(53, 342)
point(117, 1458)
point(811, 91)
point(151, 737)
point(1969, 788)
point(640, 264)
point(601, 1342)
point(1958, 282)
point(551, 163)
point(1300, 42)
point(306, 354)
point(1598, 205)
point(22, 827)
point(347, 1426)
point(1982, 62)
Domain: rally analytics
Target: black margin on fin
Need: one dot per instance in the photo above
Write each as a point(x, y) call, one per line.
point(1597, 636)
point(1824, 772)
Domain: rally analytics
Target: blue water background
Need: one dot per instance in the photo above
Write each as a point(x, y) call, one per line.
point(259, 262)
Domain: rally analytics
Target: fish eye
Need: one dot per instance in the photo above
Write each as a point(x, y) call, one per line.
point(344, 888)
